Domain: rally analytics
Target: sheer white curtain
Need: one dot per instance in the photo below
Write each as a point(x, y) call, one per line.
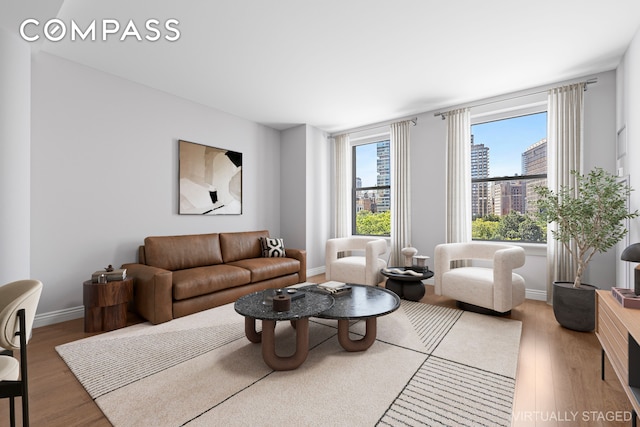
point(458, 175)
point(400, 190)
point(343, 185)
point(564, 147)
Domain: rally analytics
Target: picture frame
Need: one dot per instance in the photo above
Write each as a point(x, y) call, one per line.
point(210, 180)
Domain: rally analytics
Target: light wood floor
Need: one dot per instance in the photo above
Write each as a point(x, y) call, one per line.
point(558, 380)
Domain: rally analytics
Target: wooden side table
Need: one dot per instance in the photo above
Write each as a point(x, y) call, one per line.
point(105, 304)
point(618, 330)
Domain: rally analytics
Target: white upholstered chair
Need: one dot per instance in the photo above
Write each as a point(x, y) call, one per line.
point(489, 283)
point(18, 303)
point(360, 262)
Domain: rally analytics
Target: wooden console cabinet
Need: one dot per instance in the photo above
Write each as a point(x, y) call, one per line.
point(618, 330)
point(105, 304)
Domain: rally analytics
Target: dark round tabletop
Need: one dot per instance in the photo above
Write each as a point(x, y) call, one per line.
point(362, 302)
point(256, 305)
point(405, 276)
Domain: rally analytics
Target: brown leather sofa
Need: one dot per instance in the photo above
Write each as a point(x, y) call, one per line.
point(180, 275)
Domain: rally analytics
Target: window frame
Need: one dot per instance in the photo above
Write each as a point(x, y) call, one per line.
point(504, 110)
point(356, 141)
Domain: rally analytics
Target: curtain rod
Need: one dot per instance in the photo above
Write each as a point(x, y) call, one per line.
point(586, 82)
point(413, 120)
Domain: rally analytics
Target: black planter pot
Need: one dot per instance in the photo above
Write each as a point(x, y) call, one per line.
point(575, 308)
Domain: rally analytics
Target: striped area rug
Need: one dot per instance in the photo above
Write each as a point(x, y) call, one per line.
point(455, 395)
point(430, 365)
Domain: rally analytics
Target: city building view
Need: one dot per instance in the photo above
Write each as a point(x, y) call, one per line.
point(503, 196)
point(501, 205)
point(372, 195)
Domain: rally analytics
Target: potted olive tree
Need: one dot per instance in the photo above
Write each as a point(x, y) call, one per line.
point(591, 216)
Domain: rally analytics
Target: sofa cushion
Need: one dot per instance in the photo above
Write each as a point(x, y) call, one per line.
point(272, 247)
point(180, 252)
point(268, 268)
point(242, 245)
point(198, 281)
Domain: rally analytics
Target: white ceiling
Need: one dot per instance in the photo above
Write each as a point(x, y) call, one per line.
point(339, 64)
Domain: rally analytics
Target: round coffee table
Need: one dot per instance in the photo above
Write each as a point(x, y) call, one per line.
point(406, 285)
point(257, 306)
point(363, 302)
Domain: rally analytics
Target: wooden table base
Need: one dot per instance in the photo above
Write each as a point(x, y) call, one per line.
point(267, 336)
point(357, 345)
point(250, 330)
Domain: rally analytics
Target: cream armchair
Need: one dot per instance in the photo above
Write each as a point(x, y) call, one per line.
point(360, 262)
point(18, 303)
point(490, 284)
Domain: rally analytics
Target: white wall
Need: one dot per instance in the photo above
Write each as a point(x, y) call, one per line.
point(600, 151)
point(15, 173)
point(428, 184)
point(317, 198)
point(628, 116)
point(305, 201)
point(104, 157)
point(293, 212)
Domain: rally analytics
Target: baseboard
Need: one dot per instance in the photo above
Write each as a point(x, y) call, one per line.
point(535, 294)
point(53, 317)
point(315, 271)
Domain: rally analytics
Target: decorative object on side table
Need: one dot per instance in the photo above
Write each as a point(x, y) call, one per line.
point(408, 254)
point(626, 297)
point(420, 262)
point(632, 254)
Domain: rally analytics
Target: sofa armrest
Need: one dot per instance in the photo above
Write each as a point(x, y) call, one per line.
point(152, 292)
point(300, 255)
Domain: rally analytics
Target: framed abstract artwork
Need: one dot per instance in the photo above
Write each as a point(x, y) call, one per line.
point(210, 180)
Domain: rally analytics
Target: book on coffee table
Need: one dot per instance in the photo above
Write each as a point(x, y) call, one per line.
point(335, 288)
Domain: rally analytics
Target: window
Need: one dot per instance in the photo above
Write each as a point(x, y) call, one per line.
point(371, 188)
point(508, 160)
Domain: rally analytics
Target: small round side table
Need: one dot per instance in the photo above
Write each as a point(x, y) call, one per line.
point(407, 286)
point(105, 304)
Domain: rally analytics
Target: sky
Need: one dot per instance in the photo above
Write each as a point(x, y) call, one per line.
point(366, 157)
point(508, 139)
